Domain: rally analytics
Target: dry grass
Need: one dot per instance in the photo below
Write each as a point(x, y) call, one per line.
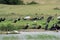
point(44, 1)
point(23, 10)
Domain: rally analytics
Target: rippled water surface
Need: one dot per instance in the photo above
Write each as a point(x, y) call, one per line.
point(49, 35)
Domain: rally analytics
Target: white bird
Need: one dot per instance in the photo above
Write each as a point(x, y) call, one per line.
point(16, 31)
point(27, 17)
point(58, 17)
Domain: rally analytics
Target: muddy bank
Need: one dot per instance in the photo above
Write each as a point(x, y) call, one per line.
point(35, 30)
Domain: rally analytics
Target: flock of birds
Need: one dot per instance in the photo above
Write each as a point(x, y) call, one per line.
point(54, 26)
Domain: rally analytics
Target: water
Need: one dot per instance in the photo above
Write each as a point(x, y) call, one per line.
point(31, 36)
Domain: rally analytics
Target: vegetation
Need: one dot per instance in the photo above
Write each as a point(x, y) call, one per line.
point(11, 2)
point(12, 12)
point(6, 27)
point(44, 1)
point(33, 2)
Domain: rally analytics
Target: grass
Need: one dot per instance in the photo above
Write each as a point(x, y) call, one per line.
point(11, 12)
point(20, 10)
point(44, 1)
point(20, 24)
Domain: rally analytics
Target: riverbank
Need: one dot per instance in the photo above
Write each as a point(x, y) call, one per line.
point(37, 30)
point(26, 30)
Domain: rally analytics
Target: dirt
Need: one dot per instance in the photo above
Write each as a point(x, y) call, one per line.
point(35, 30)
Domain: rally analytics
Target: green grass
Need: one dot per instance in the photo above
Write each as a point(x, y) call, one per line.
point(11, 12)
point(21, 24)
point(20, 10)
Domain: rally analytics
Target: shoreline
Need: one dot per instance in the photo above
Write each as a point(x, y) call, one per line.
point(27, 30)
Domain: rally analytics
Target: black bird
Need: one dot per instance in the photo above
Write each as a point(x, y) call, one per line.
point(54, 27)
point(19, 19)
point(49, 18)
point(39, 27)
point(26, 26)
point(46, 27)
point(57, 27)
point(35, 18)
point(15, 21)
point(3, 19)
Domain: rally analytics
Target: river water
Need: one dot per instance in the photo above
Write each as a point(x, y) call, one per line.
point(24, 35)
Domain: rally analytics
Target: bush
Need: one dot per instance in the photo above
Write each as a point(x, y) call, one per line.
point(7, 27)
point(11, 2)
point(56, 8)
point(33, 2)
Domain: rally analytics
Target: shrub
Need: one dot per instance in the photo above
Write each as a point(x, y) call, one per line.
point(33, 2)
point(11, 2)
point(56, 8)
point(7, 27)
